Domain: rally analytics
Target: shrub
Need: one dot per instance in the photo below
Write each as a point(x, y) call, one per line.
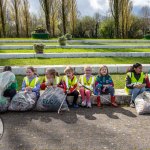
point(62, 40)
point(39, 48)
point(68, 36)
point(147, 36)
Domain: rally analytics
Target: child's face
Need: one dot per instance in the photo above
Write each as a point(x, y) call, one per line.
point(138, 70)
point(88, 71)
point(69, 74)
point(48, 75)
point(103, 71)
point(29, 73)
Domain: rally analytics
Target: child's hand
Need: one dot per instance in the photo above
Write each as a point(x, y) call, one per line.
point(28, 89)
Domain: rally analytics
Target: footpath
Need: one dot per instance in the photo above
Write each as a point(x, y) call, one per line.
point(80, 129)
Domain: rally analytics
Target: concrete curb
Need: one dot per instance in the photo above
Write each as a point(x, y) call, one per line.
point(78, 69)
point(11, 47)
point(74, 55)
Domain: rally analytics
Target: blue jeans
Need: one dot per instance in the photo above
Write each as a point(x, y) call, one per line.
point(109, 90)
point(135, 92)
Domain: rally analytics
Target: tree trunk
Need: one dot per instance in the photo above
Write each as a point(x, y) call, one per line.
point(2, 19)
point(63, 17)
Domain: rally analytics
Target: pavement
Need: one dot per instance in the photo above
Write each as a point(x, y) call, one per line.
point(107, 128)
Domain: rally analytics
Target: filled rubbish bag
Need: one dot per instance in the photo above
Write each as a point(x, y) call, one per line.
point(51, 100)
point(6, 79)
point(23, 101)
point(142, 103)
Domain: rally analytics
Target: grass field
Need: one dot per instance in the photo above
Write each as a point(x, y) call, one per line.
point(71, 61)
point(119, 80)
point(63, 50)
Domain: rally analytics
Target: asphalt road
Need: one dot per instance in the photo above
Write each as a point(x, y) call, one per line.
point(80, 129)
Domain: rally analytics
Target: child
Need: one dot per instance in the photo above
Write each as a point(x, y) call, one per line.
point(104, 85)
point(86, 86)
point(70, 85)
point(31, 82)
point(51, 79)
point(135, 82)
point(11, 90)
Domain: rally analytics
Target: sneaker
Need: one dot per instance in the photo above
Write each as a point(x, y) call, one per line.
point(75, 106)
point(89, 105)
point(83, 103)
point(132, 105)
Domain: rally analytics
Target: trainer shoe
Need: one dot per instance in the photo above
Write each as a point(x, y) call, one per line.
point(83, 103)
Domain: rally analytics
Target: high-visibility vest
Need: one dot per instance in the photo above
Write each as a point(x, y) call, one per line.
point(89, 84)
point(56, 81)
point(134, 80)
point(31, 84)
point(69, 83)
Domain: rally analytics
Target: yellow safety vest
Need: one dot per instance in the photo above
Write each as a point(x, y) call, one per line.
point(134, 80)
point(70, 83)
point(56, 81)
point(33, 83)
point(89, 84)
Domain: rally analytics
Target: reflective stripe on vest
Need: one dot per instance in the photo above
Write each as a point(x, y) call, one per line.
point(57, 80)
point(70, 83)
point(134, 80)
point(33, 83)
point(87, 84)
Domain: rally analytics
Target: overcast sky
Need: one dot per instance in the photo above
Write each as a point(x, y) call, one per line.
point(89, 7)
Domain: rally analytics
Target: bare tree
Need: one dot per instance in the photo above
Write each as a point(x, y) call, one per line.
point(46, 7)
point(26, 16)
point(15, 5)
point(2, 15)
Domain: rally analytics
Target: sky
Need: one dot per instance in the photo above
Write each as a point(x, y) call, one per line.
point(89, 7)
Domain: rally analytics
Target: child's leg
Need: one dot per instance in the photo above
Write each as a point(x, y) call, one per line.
point(75, 93)
point(82, 93)
point(112, 91)
point(88, 94)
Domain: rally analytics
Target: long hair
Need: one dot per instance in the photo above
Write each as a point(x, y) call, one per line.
point(131, 68)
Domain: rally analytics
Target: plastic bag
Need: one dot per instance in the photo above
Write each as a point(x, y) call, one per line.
point(51, 100)
point(142, 103)
point(6, 79)
point(23, 101)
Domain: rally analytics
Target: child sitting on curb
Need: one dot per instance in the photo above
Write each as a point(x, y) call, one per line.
point(104, 85)
point(11, 90)
point(86, 83)
point(135, 82)
point(51, 79)
point(31, 82)
point(70, 85)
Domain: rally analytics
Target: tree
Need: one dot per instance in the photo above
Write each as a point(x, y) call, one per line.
point(2, 15)
point(46, 7)
point(115, 11)
point(26, 16)
point(73, 16)
point(125, 17)
point(145, 16)
point(97, 18)
point(15, 5)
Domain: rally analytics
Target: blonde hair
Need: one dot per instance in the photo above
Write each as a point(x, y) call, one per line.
point(51, 71)
point(87, 67)
point(103, 66)
point(69, 69)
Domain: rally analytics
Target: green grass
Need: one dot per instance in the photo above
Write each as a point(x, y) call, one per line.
point(63, 50)
point(119, 80)
point(78, 43)
point(71, 61)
